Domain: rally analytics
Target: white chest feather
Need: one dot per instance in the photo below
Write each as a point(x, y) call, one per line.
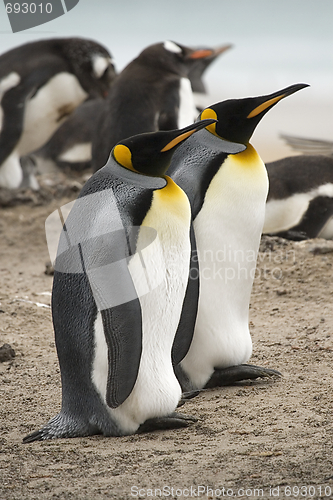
point(160, 285)
point(228, 230)
point(284, 214)
point(11, 174)
point(187, 109)
point(77, 153)
point(48, 109)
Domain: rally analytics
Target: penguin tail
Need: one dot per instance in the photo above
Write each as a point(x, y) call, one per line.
point(60, 426)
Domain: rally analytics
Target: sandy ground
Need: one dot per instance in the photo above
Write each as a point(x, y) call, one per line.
point(265, 436)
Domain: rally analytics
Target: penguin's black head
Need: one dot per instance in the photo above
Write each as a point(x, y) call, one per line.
point(151, 153)
point(91, 63)
point(238, 118)
point(203, 57)
point(173, 57)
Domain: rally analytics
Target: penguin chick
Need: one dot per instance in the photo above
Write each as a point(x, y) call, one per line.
point(118, 294)
point(41, 83)
point(227, 193)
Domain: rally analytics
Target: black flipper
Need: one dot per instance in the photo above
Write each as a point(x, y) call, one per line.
point(232, 374)
point(123, 333)
point(173, 421)
point(120, 310)
point(185, 330)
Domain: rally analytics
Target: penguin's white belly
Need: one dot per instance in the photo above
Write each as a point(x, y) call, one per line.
point(228, 230)
point(284, 214)
point(160, 285)
point(48, 109)
point(77, 153)
point(187, 109)
point(11, 174)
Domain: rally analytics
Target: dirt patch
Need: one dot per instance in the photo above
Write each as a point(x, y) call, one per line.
point(249, 436)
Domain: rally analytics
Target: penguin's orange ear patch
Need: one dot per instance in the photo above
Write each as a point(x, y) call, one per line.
point(209, 113)
point(123, 156)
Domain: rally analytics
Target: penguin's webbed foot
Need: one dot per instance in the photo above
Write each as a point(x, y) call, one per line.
point(173, 421)
point(188, 395)
point(232, 374)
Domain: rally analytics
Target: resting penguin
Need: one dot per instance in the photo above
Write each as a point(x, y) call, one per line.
point(71, 145)
point(118, 293)
point(300, 199)
point(152, 93)
point(41, 83)
point(227, 193)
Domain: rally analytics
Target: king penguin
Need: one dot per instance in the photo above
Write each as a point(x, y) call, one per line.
point(300, 198)
point(41, 83)
point(118, 293)
point(227, 193)
point(153, 92)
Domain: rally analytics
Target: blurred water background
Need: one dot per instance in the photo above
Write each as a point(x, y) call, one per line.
point(275, 43)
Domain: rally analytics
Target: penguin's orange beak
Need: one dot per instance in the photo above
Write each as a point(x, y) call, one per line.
point(201, 54)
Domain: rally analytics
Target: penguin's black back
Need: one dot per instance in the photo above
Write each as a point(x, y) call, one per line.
point(144, 98)
point(298, 174)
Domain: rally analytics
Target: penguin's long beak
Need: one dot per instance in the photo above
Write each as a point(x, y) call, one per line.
point(184, 133)
point(220, 50)
point(201, 54)
point(269, 100)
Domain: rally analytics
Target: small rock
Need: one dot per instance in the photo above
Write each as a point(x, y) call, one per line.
point(6, 353)
point(49, 270)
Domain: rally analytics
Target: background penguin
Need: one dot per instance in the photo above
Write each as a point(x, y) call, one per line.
point(196, 71)
point(118, 293)
point(41, 83)
point(70, 148)
point(300, 199)
point(309, 146)
point(227, 195)
point(152, 93)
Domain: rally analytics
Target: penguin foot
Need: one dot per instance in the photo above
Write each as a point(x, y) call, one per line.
point(62, 426)
point(188, 395)
point(232, 374)
point(173, 421)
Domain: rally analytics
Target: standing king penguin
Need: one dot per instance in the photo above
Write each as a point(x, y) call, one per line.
point(153, 92)
point(118, 294)
point(227, 193)
point(41, 83)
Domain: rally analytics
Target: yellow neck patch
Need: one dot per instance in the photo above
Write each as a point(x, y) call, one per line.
point(210, 113)
point(259, 109)
point(123, 156)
